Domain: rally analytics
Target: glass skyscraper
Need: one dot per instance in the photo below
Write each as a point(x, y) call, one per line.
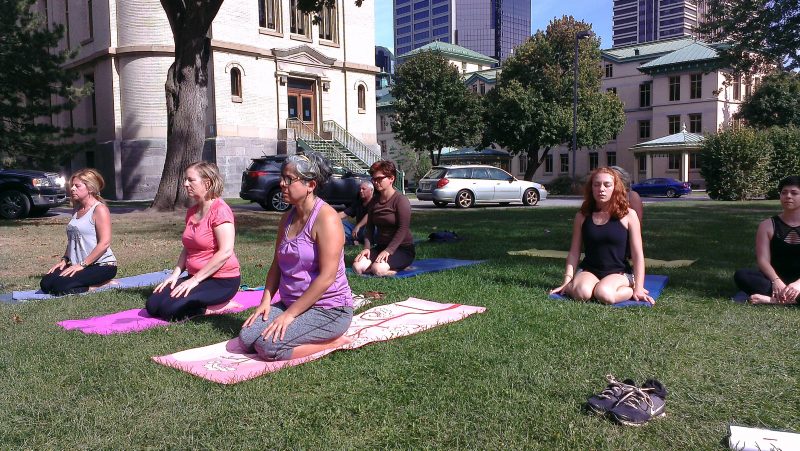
point(492, 28)
point(640, 21)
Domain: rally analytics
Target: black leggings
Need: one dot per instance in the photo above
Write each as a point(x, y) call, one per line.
point(208, 292)
point(400, 260)
point(753, 281)
point(80, 281)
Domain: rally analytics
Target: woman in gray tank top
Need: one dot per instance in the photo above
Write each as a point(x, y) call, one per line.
point(88, 260)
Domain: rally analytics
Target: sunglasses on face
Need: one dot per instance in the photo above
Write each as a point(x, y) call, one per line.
point(379, 178)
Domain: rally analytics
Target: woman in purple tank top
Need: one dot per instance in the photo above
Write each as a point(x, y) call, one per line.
point(606, 227)
point(316, 304)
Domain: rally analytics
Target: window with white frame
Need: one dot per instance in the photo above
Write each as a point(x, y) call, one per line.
point(548, 164)
point(236, 84)
point(299, 22)
point(594, 161)
point(523, 163)
point(674, 162)
point(564, 167)
point(269, 15)
point(362, 98)
point(611, 158)
point(328, 26)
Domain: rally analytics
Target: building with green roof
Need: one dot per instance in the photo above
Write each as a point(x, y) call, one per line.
point(665, 86)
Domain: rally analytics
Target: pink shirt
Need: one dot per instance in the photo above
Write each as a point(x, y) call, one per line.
point(201, 244)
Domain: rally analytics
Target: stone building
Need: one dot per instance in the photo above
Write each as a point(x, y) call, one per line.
point(274, 74)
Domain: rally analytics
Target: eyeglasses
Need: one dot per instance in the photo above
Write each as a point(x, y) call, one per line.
point(379, 178)
point(286, 180)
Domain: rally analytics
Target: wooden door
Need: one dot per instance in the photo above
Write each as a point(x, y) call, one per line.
point(302, 101)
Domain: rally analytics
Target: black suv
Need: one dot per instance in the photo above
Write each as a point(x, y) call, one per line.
point(260, 184)
point(26, 192)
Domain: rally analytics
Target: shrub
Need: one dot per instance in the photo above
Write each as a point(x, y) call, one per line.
point(736, 164)
point(563, 184)
point(786, 156)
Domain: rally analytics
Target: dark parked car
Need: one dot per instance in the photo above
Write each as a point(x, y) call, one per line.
point(662, 187)
point(27, 192)
point(260, 184)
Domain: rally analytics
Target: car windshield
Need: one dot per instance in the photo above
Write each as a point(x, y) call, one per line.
point(435, 173)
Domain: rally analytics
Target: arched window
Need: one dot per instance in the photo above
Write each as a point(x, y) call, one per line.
point(362, 98)
point(236, 84)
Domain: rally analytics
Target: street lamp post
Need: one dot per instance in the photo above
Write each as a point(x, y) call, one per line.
point(578, 36)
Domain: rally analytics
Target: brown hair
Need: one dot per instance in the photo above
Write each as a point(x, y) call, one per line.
point(210, 172)
point(619, 198)
point(385, 166)
point(92, 179)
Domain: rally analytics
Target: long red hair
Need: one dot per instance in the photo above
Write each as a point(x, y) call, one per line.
point(619, 197)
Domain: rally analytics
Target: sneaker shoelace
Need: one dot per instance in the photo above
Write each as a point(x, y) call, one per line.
point(636, 396)
point(614, 386)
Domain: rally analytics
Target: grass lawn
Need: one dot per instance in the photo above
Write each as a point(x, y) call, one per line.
point(513, 377)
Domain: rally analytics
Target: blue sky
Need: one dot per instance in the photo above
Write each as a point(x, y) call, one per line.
point(596, 12)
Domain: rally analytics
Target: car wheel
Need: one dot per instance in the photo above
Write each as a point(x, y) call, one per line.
point(465, 199)
point(530, 197)
point(14, 204)
point(439, 203)
point(276, 201)
point(671, 193)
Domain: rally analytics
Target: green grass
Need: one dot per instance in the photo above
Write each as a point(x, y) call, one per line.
point(513, 377)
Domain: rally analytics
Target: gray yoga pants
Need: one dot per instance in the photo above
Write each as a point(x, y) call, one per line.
point(315, 325)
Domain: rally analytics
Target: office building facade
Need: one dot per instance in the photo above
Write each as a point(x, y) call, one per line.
point(491, 28)
point(642, 21)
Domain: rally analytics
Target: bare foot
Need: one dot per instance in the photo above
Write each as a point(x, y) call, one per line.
point(762, 299)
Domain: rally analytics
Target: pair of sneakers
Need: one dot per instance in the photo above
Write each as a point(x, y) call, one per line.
point(628, 404)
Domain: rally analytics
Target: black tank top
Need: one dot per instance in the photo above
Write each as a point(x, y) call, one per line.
point(785, 257)
point(604, 247)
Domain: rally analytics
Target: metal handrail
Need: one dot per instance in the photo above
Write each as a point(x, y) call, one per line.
point(350, 142)
point(326, 147)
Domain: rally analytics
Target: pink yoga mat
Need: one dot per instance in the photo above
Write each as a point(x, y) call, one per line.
point(135, 320)
point(228, 363)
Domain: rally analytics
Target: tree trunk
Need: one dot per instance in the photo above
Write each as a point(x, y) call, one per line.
point(534, 162)
point(186, 92)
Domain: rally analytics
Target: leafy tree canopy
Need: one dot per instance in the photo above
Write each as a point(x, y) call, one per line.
point(761, 33)
point(530, 110)
point(34, 86)
point(433, 107)
point(776, 102)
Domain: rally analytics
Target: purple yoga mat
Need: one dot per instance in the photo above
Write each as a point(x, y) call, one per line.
point(135, 320)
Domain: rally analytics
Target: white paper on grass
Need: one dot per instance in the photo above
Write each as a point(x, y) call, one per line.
point(755, 439)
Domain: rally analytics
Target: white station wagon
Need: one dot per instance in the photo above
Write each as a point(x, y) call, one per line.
point(466, 185)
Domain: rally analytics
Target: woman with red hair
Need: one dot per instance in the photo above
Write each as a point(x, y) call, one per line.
point(605, 226)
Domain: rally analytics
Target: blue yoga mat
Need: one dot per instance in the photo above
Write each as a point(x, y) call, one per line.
point(430, 265)
point(138, 281)
point(654, 284)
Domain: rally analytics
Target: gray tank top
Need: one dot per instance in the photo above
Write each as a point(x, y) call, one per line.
point(82, 239)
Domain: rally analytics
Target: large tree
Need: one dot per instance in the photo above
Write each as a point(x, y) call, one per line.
point(433, 107)
point(186, 88)
point(530, 110)
point(776, 102)
point(34, 86)
point(761, 33)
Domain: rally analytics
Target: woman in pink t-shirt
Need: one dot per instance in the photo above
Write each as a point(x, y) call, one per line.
point(207, 254)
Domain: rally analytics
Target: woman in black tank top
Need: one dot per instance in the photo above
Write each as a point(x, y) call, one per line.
point(606, 227)
point(777, 279)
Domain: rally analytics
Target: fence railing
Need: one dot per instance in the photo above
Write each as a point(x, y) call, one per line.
point(350, 142)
